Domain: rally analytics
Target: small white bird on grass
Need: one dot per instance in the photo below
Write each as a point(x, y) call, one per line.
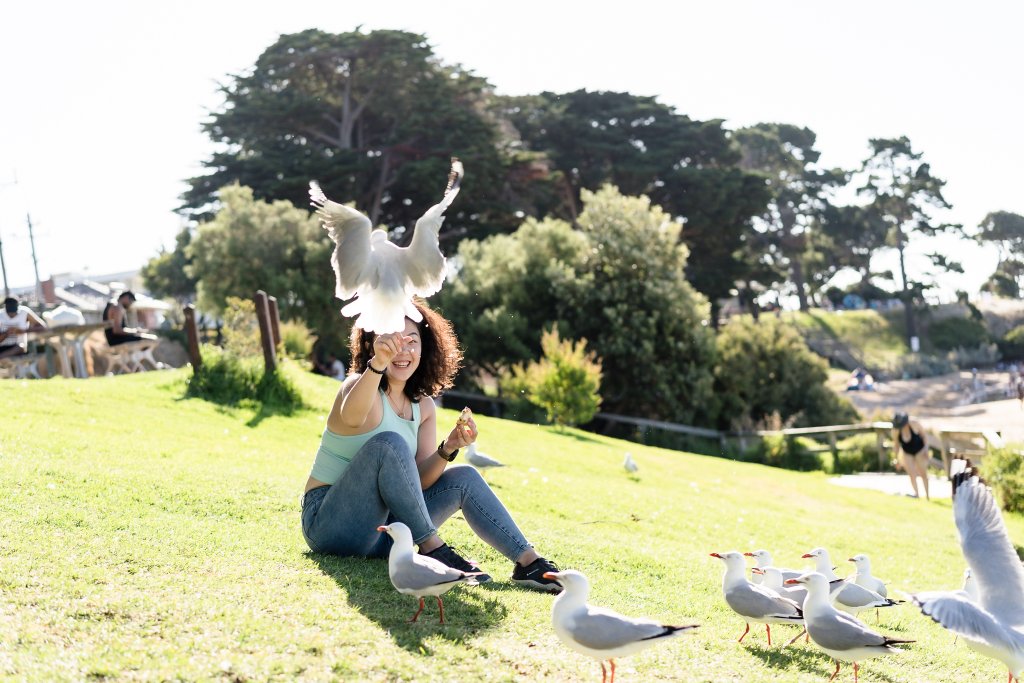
point(846, 595)
point(992, 622)
point(597, 632)
point(479, 460)
point(419, 575)
point(629, 464)
point(752, 602)
point(863, 576)
point(842, 636)
point(383, 276)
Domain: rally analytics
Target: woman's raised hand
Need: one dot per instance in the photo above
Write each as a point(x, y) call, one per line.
point(387, 346)
point(462, 435)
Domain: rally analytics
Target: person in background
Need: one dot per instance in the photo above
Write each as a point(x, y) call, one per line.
point(15, 321)
point(908, 437)
point(117, 313)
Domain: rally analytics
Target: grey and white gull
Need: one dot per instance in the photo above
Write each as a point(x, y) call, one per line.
point(755, 603)
point(419, 575)
point(992, 621)
point(598, 632)
point(842, 636)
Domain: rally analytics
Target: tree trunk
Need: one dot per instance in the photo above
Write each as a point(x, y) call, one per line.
point(797, 271)
point(908, 300)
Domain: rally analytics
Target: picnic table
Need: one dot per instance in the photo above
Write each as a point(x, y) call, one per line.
point(68, 340)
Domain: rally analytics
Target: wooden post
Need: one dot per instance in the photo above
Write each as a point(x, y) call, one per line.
point(192, 333)
point(275, 321)
point(882, 455)
point(833, 446)
point(266, 336)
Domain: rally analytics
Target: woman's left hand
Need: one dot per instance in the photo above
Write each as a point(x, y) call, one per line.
point(461, 435)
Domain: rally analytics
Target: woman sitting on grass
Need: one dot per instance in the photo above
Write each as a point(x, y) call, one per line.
point(379, 459)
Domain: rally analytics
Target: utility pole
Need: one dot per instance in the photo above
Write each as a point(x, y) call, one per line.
point(35, 261)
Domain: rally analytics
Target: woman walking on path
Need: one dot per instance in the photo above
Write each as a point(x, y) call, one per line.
point(379, 459)
point(910, 438)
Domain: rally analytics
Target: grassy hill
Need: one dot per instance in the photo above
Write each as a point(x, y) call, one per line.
point(151, 537)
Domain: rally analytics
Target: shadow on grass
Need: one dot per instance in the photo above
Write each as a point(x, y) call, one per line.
point(467, 609)
point(806, 657)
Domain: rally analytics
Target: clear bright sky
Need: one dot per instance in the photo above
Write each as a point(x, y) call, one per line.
point(103, 100)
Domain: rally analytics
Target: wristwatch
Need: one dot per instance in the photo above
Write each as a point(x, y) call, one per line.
point(440, 452)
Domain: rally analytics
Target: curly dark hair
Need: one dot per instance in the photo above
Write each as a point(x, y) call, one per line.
point(440, 355)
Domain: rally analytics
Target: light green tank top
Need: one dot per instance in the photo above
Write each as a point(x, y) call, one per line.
point(336, 451)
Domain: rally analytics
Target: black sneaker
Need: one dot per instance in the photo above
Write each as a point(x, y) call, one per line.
point(446, 555)
point(532, 576)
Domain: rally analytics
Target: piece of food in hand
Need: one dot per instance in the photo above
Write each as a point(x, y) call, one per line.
point(465, 415)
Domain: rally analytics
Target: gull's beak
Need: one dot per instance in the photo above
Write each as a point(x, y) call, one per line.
point(790, 582)
point(382, 528)
point(806, 555)
point(757, 570)
point(749, 554)
point(551, 575)
point(716, 555)
point(850, 559)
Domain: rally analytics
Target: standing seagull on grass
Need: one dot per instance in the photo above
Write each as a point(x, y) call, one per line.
point(479, 460)
point(843, 637)
point(419, 575)
point(846, 595)
point(597, 632)
point(629, 464)
point(752, 602)
point(993, 622)
point(383, 276)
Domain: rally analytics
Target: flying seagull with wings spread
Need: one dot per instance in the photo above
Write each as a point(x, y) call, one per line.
point(381, 275)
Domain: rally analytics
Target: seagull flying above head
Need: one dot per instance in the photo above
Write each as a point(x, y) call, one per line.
point(381, 275)
point(992, 620)
point(598, 632)
point(419, 575)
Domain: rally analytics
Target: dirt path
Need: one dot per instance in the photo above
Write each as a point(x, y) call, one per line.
point(941, 403)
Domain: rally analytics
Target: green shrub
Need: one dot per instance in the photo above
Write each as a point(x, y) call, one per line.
point(1012, 345)
point(951, 333)
point(778, 450)
point(296, 340)
point(1002, 468)
point(514, 387)
point(241, 329)
point(858, 453)
point(766, 368)
point(918, 365)
point(565, 382)
point(226, 379)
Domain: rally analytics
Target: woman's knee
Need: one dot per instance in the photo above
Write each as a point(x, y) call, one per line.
point(465, 476)
point(388, 444)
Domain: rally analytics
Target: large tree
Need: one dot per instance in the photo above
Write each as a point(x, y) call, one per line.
point(617, 281)
point(903, 192)
point(374, 117)
point(786, 156)
point(642, 146)
point(167, 275)
point(1005, 230)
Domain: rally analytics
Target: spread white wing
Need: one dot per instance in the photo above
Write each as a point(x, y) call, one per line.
point(350, 231)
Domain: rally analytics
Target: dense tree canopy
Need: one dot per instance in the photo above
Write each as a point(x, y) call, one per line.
point(375, 117)
point(1005, 230)
point(617, 281)
point(167, 273)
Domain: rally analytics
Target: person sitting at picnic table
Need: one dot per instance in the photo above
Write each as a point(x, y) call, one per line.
point(117, 313)
point(15, 321)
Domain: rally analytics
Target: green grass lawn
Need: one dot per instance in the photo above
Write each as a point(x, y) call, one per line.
point(150, 537)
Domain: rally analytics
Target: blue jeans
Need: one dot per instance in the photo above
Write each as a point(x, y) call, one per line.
point(382, 485)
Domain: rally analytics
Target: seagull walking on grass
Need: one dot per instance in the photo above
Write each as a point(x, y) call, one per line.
point(992, 622)
point(381, 275)
point(846, 595)
point(842, 636)
point(629, 464)
point(479, 460)
point(419, 575)
point(597, 632)
point(753, 602)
